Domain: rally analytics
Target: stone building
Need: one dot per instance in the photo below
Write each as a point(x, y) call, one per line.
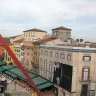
point(34, 34)
point(17, 48)
point(7, 57)
point(72, 69)
point(61, 33)
point(36, 50)
point(27, 53)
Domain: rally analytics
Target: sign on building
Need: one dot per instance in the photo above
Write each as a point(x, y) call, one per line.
point(92, 88)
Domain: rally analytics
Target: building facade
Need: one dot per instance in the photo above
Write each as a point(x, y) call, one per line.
point(34, 34)
point(36, 50)
point(61, 33)
point(18, 50)
point(1, 52)
point(27, 52)
point(71, 69)
point(7, 57)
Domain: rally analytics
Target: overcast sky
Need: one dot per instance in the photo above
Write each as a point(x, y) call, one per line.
point(19, 15)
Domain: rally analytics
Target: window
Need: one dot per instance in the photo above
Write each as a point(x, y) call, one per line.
point(21, 53)
point(29, 34)
point(15, 50)
point(86, 58)
point(27, 61)
point(85, 74)
point(56, 55)
point(45, 64)
point(50, 53)
point(45, 52)
point(41, 52)
point(28, 49)
point(22, 48)
point(62, 56)
point(50, 66)
point(41, 61)
point(10, 58)
point(69, 57)
point(18, 50)
point(6, 58)
point(27, 54)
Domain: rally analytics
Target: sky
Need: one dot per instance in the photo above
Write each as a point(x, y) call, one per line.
point(78, 15)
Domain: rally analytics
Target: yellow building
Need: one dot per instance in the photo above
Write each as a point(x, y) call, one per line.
point(7, 58)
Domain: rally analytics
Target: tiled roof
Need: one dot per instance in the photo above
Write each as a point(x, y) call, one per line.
point(20, 40)
point(43, 40)
point(93, 45)
point(35, 29)
point(15, 36)
point(62, 28)
point(18, 37)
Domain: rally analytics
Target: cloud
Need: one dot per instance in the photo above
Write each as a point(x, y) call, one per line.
point(54, 9)
point(18, 15)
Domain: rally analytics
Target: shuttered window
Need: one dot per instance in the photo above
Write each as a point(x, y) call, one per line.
point(85, 74)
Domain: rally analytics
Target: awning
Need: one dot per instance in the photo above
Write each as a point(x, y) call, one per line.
point(11, 74)
point(14, 72)
point(2, 63)
point(45, 85)
point(39, 80)
point(8, 67)
point(1, 69)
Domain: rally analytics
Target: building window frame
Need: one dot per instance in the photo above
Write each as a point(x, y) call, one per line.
point(62, 56)
point(50, 54)
point(45, 64)
point(50, 66)
point(46, 53)
point(69, 57)
point(41, 52)
point(56, 55)
point(86, 58)
point(86, 74)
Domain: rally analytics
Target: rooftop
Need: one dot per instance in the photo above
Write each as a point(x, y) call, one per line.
point(43, 40)
point(62, 28)
point(35, 30)
point(19, 40)
point(72, 48)
point(15, 36)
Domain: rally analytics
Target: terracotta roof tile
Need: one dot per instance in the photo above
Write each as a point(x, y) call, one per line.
point(35, 29)
point(19, 40)
point(62, 28)
point(15, 36)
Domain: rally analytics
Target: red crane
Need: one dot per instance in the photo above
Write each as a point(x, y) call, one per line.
point(5, 45)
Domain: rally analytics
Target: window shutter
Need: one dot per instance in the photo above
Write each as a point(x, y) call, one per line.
point(82, 73)
point(88, 73)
